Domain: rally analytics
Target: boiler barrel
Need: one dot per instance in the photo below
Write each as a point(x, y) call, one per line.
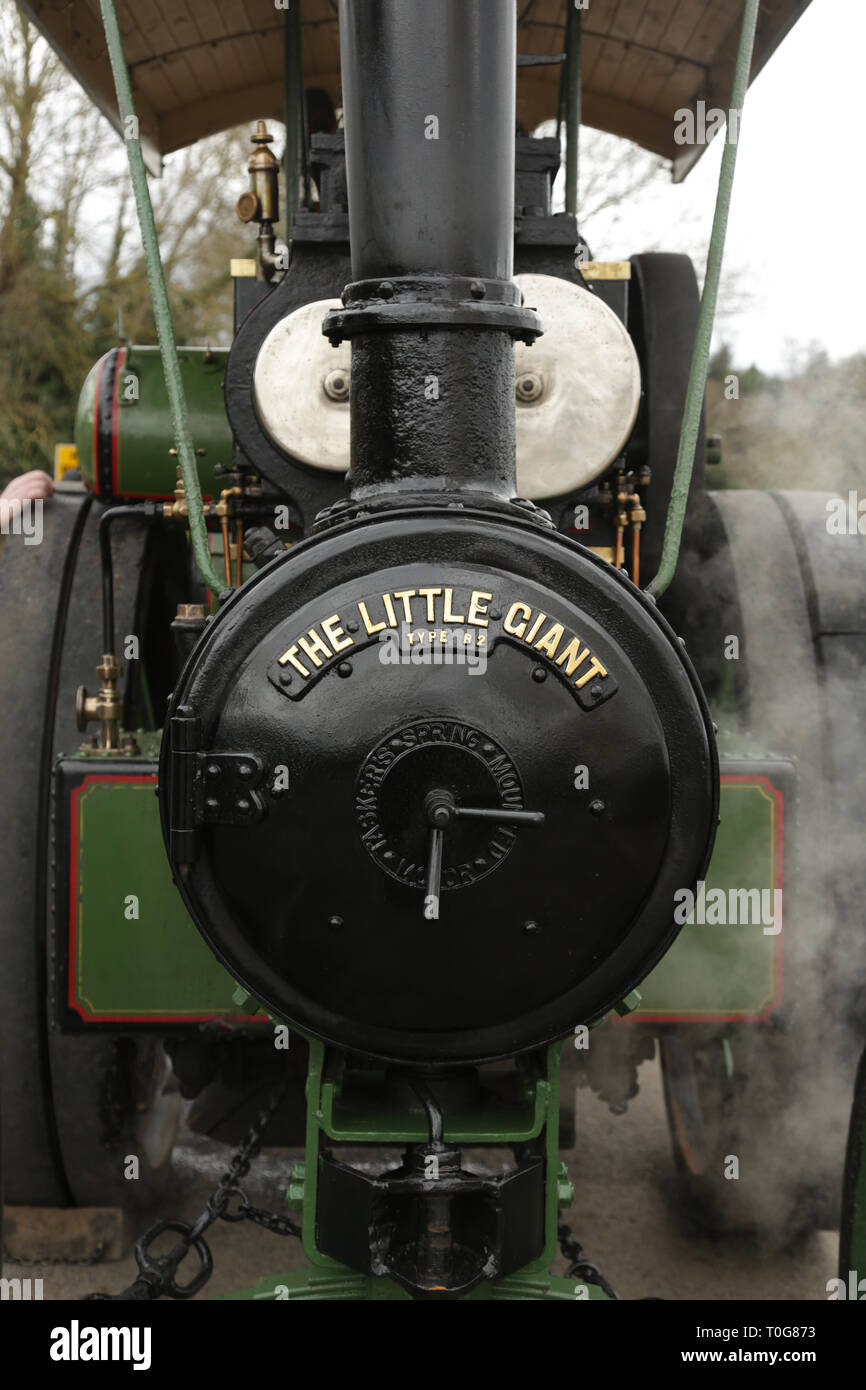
point(123, 429)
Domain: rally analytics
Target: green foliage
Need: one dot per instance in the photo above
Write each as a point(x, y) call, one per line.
point(71, 266)
point(43, 360)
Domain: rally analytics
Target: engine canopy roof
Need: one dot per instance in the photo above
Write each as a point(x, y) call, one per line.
point(199, 69)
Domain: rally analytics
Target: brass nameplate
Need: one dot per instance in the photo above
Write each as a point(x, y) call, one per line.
point(430, 615)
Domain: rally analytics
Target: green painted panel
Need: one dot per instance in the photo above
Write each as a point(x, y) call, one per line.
point(157, 967)
point(727, 962)
point(152, 966)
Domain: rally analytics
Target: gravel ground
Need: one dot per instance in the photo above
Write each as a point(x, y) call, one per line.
point(624, 1215)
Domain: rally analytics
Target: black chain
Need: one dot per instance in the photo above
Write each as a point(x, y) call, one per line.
point(580, 1267)
point(157, 1277)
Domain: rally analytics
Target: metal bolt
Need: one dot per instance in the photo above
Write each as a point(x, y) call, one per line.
point(344, 669)
point(529, 387)
point(352, 625)
point(335, 921)
point(386, 290)
point(243, 805)
point(245, 770)
point(336, 385)
point(539, 674)
point(595, 691)
point(214, 770)
point(477, 290)
point(211, 804)
point(285, 678)
point(596, 808)
point(530, 927)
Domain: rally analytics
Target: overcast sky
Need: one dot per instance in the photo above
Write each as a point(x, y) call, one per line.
point(796, 235)
point(795, 269)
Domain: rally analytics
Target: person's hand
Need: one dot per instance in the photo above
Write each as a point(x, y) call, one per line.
point(28, 487)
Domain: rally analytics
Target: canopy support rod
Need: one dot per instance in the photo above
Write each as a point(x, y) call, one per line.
point(159, 296)
point(573, 36)
point(294, 101)
point(701, 355)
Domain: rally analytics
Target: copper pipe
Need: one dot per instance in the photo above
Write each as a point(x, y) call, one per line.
point(227, 559)
point(617, 555)
point(635, 555)
point(239, 564)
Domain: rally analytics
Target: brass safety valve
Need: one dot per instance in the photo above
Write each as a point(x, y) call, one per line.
point(261, 203)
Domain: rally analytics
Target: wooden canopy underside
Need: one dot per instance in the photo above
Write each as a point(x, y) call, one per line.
point(198, 68)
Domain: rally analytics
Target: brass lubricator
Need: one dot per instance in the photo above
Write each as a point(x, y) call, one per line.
point(179, 507)
point(628, 512)
point(243, 486)
point(106, 709)
point(224, 509)
point(261, 202)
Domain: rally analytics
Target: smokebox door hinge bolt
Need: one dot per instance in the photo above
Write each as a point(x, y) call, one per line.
point(226, 789)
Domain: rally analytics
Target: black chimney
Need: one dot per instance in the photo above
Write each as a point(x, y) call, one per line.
point(429, 114)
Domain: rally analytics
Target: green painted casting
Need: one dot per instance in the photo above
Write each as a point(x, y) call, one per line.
point(326, 1278)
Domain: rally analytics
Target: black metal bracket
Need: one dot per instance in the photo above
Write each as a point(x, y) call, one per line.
point(226, 789)
point(208, 787)
point(438, 1231)
point(423, 301)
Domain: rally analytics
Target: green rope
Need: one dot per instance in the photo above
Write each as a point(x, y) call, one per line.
point(161, 309)
point(701, 355)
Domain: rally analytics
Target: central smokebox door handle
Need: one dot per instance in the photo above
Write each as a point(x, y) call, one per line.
point(442, 809)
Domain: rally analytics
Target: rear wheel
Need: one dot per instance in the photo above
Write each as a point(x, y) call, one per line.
point(737, 1117)
point(75, 1108)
